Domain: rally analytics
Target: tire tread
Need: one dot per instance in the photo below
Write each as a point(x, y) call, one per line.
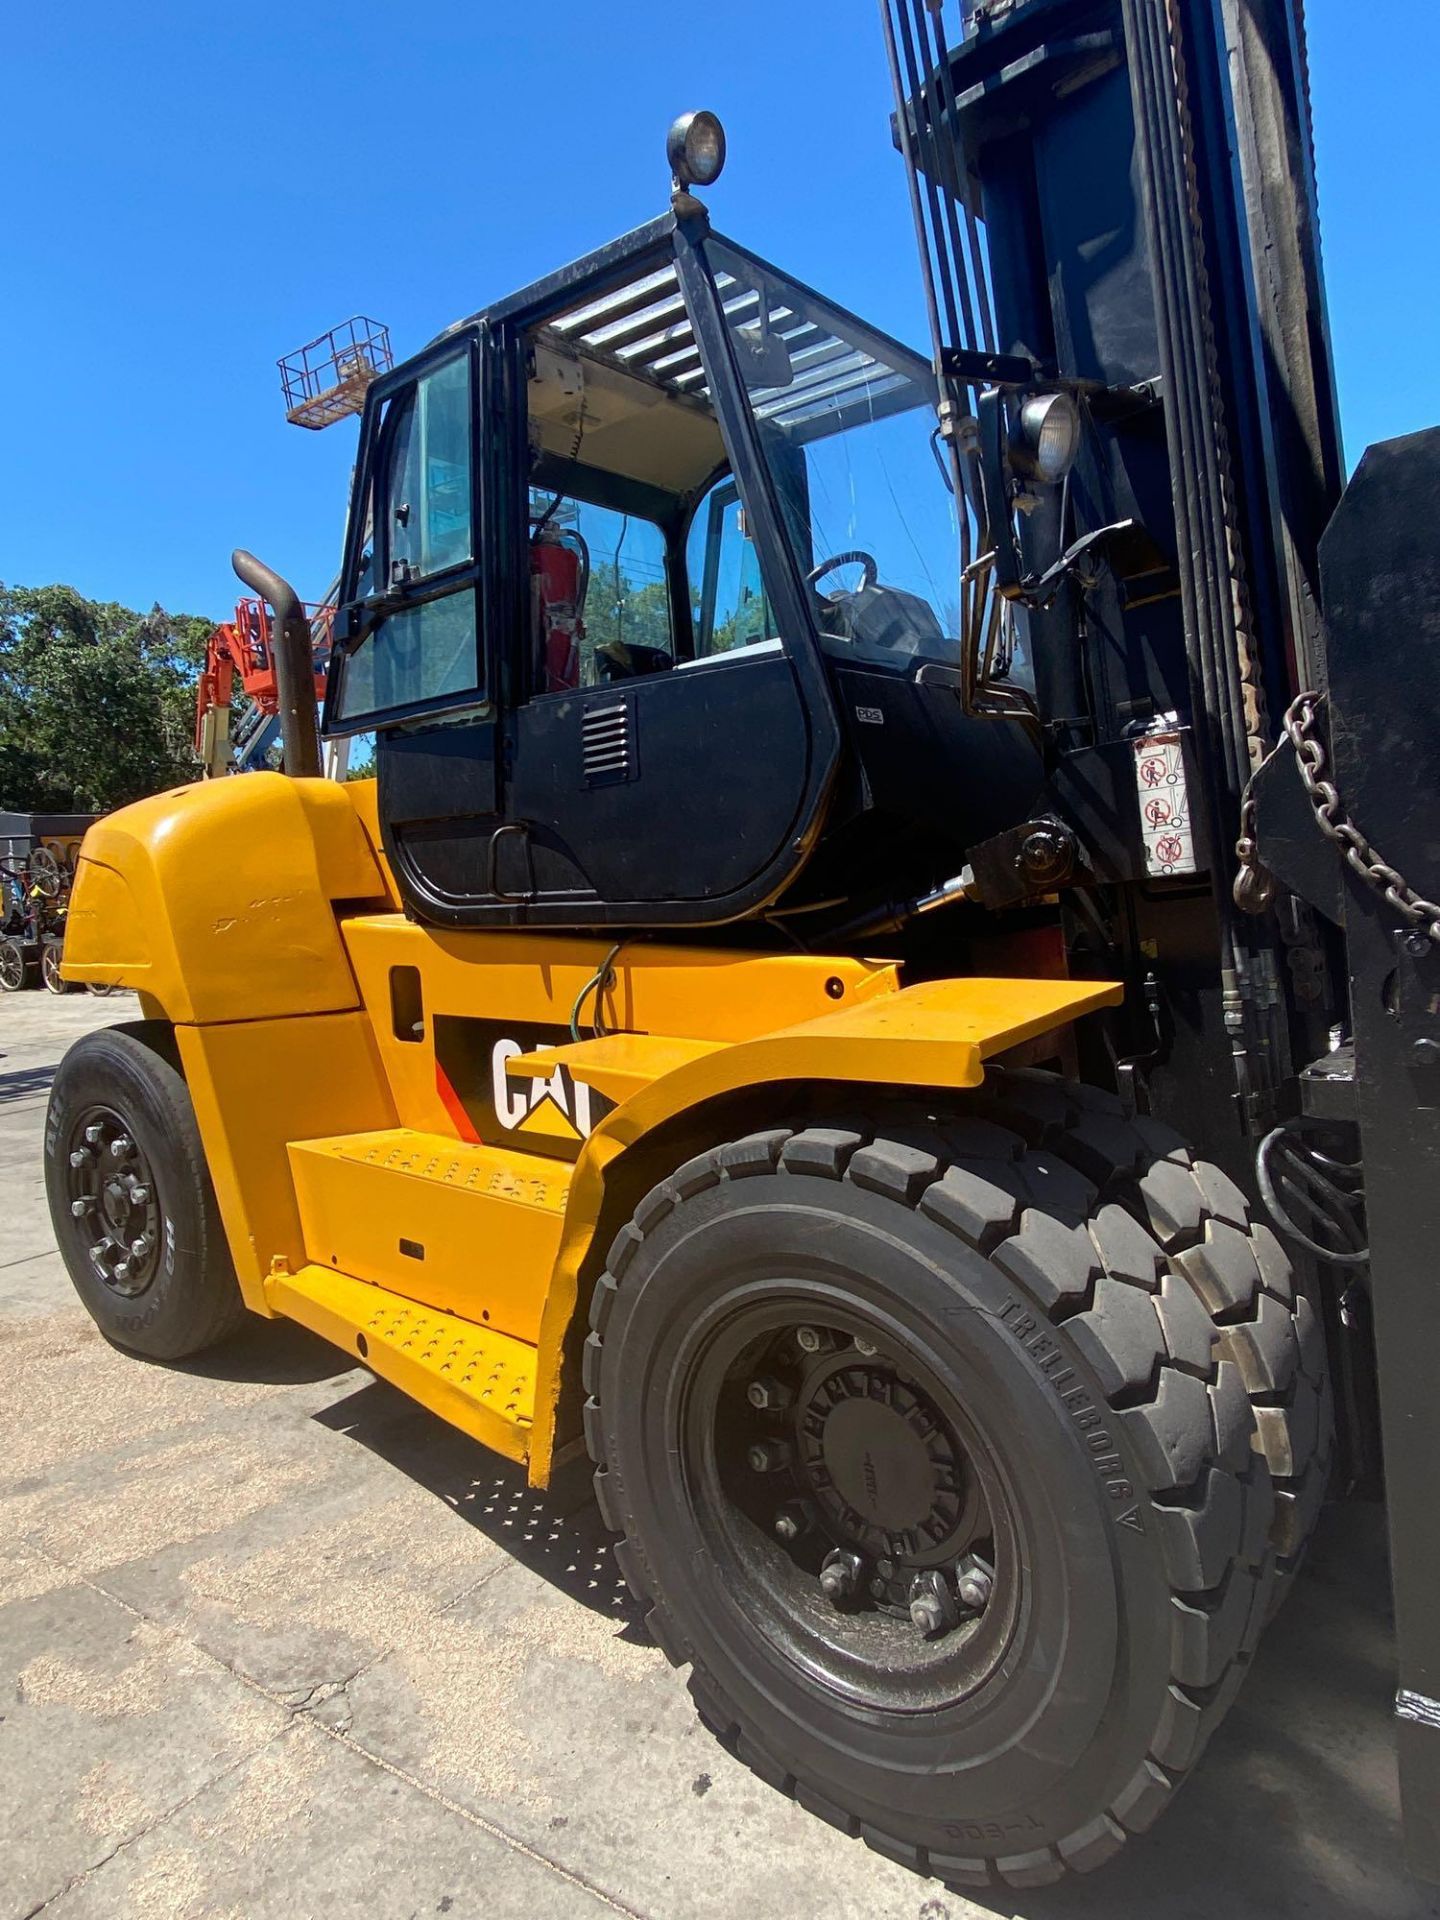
point(1182, 1308)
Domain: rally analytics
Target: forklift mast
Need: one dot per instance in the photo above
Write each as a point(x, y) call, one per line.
point(1115, 200)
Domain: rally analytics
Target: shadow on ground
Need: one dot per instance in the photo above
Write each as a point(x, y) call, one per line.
point(557, 1535)
point(265, 1353)
point(1292, 1811)
point(23, 1083)
point(1294, 1807)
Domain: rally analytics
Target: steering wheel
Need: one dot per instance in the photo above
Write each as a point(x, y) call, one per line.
point(856, 556)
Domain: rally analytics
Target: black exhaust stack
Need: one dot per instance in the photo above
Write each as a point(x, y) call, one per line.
point(294, 665)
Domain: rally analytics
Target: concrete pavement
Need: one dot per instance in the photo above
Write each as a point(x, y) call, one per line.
point(276, 1642)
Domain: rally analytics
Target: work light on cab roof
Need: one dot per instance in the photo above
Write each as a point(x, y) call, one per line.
point(695, 148)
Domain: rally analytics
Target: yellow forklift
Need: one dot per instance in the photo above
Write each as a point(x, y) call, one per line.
point(754, 1026)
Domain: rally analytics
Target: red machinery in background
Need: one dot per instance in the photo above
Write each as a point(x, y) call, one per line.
point(243, 646)
point(324, 381)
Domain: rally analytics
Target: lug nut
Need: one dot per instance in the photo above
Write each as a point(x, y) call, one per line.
point(974, 1582)
point(121, 1270)
point(94, 1135)
point(840, 1575)
point(79, 1208)
point(768, 1395)
point(139, 1196)
point(120, 1146)
point(768, 1456)
point(932, 1605)
point(791, 1521)
point(81, 1157)
point(140, 1246)
point(925, 1614)
point(807, 1339)
point(865, 1348)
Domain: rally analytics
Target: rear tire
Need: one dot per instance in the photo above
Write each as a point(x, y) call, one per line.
point(135, 1213)
point(1076, 1375)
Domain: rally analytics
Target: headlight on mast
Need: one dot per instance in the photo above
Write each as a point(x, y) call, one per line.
point(1046, 437)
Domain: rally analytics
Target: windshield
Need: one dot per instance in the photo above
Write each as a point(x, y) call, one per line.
point(845, 419)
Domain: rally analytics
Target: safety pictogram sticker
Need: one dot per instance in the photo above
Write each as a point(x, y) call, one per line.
point(1164, 800)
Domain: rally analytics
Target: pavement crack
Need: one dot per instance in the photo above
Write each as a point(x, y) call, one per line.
point(478, 1820)
point(305, 1713)
point(328, 1697)
point(160, 1819)
point(24, 1259)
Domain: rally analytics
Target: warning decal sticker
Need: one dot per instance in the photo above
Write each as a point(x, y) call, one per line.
point(1164, 801)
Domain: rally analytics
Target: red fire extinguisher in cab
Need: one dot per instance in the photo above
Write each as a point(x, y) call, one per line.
point(558, 579)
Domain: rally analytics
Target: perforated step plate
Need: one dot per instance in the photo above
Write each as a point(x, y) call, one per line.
point(471, 1230)
point(480, 1380)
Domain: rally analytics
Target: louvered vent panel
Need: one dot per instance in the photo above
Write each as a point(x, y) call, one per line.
point(605, 744)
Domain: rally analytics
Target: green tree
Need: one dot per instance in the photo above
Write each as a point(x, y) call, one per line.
point(637, 611)
point(97, 702)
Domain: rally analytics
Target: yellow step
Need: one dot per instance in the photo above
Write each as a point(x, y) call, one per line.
point(470, 1230)
point(479, 1380)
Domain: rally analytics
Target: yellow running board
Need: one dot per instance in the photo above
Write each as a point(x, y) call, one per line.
point(480, 1381)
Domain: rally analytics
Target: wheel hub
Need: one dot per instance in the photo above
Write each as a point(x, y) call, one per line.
point(112, 1200)
point(877, 1494)
point(879, 1462)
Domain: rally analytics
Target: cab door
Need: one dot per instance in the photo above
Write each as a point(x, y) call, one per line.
point(410, 664)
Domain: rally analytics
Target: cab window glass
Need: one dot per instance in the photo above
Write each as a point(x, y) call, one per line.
point(427, 490)
point(600, 594)
point(846, 430)
point(420, 526)
point(731, 606)
point(424, 653)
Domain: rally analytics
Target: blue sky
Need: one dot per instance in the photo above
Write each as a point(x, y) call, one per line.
point(192, 190)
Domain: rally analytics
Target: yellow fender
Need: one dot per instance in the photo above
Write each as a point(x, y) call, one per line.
point(936, 1035)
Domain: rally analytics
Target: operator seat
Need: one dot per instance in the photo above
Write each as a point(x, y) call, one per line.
point(624, 660)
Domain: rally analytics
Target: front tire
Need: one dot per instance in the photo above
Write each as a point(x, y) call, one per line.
point(131, 1200)
point(967, 1358)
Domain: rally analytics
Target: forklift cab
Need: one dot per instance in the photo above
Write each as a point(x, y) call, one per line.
point(646, 569)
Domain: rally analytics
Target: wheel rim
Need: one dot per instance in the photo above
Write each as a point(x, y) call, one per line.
point(112, 1199)
point(857, 1517)
point(12, 967)
point(45, 873)
point(50, 968)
